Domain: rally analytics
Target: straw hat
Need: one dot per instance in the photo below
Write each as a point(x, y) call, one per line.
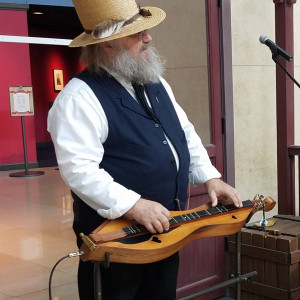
point(105, 20)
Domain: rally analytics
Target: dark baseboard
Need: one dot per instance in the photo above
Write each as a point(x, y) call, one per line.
point(46, 154)
point(45, 158)
point(12, 167)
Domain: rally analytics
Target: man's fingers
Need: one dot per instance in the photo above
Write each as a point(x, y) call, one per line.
point(166, 212)
point(157, 226)
point(213, 199)
point(165, 223)
point(150, 228)
point(153, 215)
point(235, 198)
point(218, 188)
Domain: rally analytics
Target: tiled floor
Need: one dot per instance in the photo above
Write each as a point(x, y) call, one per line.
point(35, 232)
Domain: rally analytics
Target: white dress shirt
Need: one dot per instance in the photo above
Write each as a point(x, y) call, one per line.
point(78, 127)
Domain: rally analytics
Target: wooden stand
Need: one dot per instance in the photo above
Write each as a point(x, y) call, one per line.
point(236, 278)
point(275, 254)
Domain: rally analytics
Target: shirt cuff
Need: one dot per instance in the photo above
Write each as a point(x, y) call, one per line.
point(204, 174)
point(121, 208)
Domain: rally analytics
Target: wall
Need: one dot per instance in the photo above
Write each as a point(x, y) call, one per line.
point(28, 65)
point(186, 58)
point(254, 84)
point(15, 71)
point(44, 59)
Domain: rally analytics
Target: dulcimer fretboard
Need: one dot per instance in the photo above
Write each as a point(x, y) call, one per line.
point(138, 228)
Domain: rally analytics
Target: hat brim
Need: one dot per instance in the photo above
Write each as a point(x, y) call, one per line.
point(140, 24)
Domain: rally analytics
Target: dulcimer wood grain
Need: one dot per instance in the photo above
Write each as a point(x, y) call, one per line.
point(143, 247)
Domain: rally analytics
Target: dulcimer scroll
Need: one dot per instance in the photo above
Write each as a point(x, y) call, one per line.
point(127, 242)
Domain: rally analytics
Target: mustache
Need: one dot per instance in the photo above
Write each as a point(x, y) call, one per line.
point(144, 47)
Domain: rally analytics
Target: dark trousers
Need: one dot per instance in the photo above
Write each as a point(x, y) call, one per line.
point(130, 281)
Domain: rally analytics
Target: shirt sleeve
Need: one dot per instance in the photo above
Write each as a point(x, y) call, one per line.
point(78, 127)
point(201, 168)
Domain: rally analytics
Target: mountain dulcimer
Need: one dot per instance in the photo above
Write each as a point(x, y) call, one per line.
point(127, 242)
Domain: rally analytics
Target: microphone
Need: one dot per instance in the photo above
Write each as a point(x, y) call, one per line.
point(275, 49)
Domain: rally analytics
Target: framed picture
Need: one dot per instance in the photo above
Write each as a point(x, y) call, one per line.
point(58, 80)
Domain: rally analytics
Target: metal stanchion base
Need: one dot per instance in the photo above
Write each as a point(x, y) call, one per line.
point(27, 174)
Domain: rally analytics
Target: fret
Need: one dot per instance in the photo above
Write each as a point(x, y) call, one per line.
point(128, 230)
point(218, 209)
point(203, 213)
point(177, 219)
point(186, 217)
point(230, 207)
point(173, 221)
point(195, 215)
point(223, 208)
point(181, 218)
point(213, 211)
point(190, 215)
point(138, 228)
point(133, 229)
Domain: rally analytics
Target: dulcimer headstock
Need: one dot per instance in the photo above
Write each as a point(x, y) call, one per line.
point(260, 203)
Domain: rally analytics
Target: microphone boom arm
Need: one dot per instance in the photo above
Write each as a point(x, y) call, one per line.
point(275, 59)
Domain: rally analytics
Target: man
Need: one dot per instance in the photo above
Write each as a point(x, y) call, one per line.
point(121, 156)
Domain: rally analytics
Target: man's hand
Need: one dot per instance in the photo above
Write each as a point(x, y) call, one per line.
point(216, 188)
point(153, 215)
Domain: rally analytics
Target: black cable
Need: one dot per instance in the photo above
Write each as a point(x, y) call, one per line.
point(73, 254)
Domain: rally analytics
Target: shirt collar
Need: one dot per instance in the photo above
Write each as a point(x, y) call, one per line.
point(127, 85)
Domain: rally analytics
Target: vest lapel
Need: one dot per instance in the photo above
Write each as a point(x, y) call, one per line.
point(127, 100)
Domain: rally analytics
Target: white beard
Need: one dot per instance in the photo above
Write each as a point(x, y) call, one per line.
point(139, 69)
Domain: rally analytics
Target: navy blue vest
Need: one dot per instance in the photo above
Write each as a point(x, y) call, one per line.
point(136, 152)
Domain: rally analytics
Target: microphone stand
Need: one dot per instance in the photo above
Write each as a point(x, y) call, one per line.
point(275, 59)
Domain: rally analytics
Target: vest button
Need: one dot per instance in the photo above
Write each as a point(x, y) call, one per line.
point(156, 125)
point(165, 142)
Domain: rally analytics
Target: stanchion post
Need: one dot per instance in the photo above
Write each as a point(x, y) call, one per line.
point(24, 145)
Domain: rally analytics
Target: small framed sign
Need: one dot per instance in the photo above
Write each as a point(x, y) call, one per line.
point(21, 101)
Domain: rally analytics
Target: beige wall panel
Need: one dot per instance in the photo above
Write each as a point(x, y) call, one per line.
point(249, 20)
point(181, 39)
point(254, 99)
point(255, 134)
point(192, 95)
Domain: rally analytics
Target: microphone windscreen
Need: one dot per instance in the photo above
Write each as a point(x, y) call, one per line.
point(263, 38)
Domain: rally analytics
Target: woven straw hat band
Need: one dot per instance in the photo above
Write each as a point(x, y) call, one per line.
point(93, 12)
